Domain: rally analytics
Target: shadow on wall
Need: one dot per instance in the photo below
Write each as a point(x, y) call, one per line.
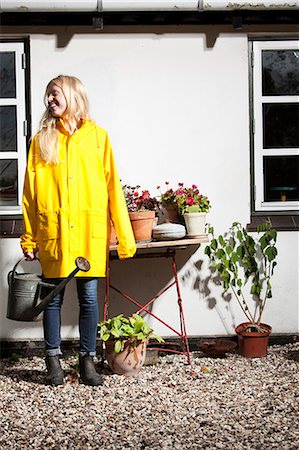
point(209, 290)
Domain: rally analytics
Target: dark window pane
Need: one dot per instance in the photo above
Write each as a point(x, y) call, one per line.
point(8, 129)
point(8, 182)
point(281, 125)
point(280, 72)
point(7, 75)
point(281, 178)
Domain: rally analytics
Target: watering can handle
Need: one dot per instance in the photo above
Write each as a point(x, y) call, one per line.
point(11, 274)
point(82, 264)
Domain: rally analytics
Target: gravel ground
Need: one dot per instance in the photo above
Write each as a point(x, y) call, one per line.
point(217, 403)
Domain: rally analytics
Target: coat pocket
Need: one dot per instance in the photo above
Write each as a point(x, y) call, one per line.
point(99, 225)
point(48, 226)
point(48, 234)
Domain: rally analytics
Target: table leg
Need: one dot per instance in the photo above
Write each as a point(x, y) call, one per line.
point(181, 311)
point(107, 284)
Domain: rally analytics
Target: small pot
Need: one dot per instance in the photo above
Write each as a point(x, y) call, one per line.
point(172, 213)
point(195, 223)
point(252, 344)
point(142, 225)
point(129, 361)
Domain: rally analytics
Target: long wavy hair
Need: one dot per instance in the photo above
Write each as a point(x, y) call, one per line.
point(77, 109)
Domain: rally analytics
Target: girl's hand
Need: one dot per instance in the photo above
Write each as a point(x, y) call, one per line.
point(30, 256)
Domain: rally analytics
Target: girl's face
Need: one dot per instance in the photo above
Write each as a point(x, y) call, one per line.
point(56, 100)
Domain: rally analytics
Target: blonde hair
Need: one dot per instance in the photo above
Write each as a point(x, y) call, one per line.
point(77, 109)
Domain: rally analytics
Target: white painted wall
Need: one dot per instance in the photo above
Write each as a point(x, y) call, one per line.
point(177, 111)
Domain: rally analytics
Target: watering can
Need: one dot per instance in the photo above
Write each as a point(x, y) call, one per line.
point(24, 301)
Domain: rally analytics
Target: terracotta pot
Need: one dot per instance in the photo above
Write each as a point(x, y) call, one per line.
point(142, 224)
point(252, 344)
point(195, 223)
point(129, 361)
point(172, 213)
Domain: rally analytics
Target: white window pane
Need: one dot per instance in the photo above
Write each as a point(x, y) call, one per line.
point(281, 125)
point(280, 72)
point(7, 75)
point(281, 178)
point(8, 128)
point(8, 182)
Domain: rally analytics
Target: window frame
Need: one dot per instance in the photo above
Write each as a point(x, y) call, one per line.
point(22, 101)
point(259, 206)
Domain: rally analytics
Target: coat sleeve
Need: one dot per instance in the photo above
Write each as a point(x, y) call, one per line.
point(29, 207)
point(117, 206)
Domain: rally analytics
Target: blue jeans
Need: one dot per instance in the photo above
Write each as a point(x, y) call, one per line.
point(88, 317)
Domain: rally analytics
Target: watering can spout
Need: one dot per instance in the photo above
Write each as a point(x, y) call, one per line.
point(24, 302)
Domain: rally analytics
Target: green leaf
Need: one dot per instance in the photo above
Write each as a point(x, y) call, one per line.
point(263, 242)
point(240, 251)
point(117, 346)
point(229, 250)
point(220, 253)
point(140, 336)
point(105, 337)
point(214, 244)
point(240, 235)
point(273, 234)
point(271, 253)
point(211, 230)
point(115, 333)
point(221, 240)
point(234, 257)
point(208, 250)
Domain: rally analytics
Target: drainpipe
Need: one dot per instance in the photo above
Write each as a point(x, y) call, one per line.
point(141, 5)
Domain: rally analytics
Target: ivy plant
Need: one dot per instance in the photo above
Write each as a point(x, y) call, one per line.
point(122, 329)
point(238, 258)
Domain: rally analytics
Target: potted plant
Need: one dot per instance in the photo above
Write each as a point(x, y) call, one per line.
point(189, 204)
point(125, 341)
point(238, 259)
point(142, 211)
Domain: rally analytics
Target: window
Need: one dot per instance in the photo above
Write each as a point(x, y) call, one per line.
point(13, 126)
point(275, 130)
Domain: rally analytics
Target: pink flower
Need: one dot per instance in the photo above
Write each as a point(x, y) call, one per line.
point(190, 201)
point(146, 195)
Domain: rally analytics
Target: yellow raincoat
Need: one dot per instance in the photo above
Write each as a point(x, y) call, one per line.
point(67, 207)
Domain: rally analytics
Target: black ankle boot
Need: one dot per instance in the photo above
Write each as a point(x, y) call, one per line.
point(88, 373)
point(55, 372)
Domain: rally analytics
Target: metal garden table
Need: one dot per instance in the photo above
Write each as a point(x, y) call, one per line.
point(166, 250)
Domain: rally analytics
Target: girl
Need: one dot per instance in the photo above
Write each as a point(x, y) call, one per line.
point(71, 192)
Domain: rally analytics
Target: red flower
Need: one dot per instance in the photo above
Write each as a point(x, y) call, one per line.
point(190, 201)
